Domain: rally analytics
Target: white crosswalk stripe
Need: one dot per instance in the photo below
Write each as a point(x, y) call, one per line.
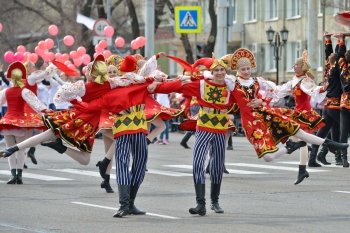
point(36, 176)
point(232, 171)
point(80, 172)
point(272, 167)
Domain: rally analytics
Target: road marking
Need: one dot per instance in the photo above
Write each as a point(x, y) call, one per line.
point(168, 173)
point(297, 163)
point(80, 172)
point(112, 208)
point(22, 228)
point(273, 167)
point(232, 171)
point(347, 192)
point(36, 176)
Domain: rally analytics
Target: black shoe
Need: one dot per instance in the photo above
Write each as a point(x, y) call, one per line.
point(148, 141)
point(302, 174)
point(134, 211)
point(102, 167)
point(13, 179)
point(322, 156)
point(31, 155)
point(124, 196)
point(19, 176)
point(207, 169)
point(57, 145)
point(199, 209)
point(313, 163)
point(226, 171)
point(345, 160)
point(8, 151)
point(200, 199)
point(293, 146)
point(185, 145)
point(25, 166)
point(332, 145)
point(105, 185)
point(229, 147)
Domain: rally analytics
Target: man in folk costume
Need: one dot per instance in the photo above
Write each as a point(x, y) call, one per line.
point(215, 100)
point(331, 110)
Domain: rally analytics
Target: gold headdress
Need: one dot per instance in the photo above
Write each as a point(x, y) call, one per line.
point(242, 57)
point(303, 60)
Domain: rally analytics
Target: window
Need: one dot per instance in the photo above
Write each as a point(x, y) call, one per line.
point(294, 52)
point(251, 10)
point(270, 58)
point(233, 11)
point(340, 5)
point(293, 8)
point(320, 7)
point(271, 9)
point(320, 51)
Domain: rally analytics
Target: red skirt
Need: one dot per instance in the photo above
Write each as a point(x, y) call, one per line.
point(27, 121)
point(154, 109)
point(75, 128)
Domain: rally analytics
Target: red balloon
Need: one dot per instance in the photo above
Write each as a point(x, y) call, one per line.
point(21, 48)
point(81, 50)
point(53, 30)
point(1, 27)
point(108, 31)
point(9, 57)
point(119, 42)
point(68, 40)
point(49, 43)
point(33, 57)
point(42, 45)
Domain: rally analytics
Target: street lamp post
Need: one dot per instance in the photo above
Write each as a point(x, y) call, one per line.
point(274, 39)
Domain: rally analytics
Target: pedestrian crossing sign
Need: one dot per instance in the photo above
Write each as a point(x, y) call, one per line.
point(188, 19)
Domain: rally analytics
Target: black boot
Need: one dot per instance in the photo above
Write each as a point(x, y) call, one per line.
point(124, 196)
point(302, 174)
point(225, 170)
point(214, 195)
point(312, 158)
point(57, 145)
point(8, 151)
point(345, 158)
point(19, 176)
point(105, 184)
point(332, 145)
point(13, 179)
point(148, 141)
point(102, 166)
point(185, 140)
point(338, 159)
point(293, 146)
point(31, 155)
point(229, 143)
point(322, 156)
point(200, 199)
point(132, 208)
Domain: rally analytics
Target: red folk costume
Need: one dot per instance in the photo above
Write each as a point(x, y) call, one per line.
point(264, 126)
point(17, 96)
point(75, 127)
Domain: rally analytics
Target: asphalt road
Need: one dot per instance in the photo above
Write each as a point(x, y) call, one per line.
point(59, 195)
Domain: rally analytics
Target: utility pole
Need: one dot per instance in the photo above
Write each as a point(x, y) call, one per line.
point(221, 39)
point(312, 41)
point(149, 28)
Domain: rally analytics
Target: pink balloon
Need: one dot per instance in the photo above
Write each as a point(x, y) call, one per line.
point(9, 57)
point(73, 54)
point(51, 56)
point(42, 45)
point(67, 62)
point(46, 56)
point(53, 30)
point(98, 49)
point(81, 50)
point(33, 57)
point(103, 44)
point(107, 53)
point(68, 40)
point(21, 48)
point(77, 62)
point(86, 59)
point(84, 70)
point(19, 56)
point(141, 41)
point(38, 50)
point(108, 31)
point(58, 56)
point(71, 66)
point(49, 43)
point(1, 27)
point(119, 42)
point(26, 55)
point(134, 45)
point(65, 56)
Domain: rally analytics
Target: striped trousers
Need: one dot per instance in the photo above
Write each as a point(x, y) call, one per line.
point(214, 143)
point(136, 145)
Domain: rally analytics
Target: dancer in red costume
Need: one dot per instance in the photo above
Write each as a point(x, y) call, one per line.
point(16, 125)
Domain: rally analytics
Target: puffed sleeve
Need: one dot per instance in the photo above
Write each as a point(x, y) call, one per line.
point(32, 100)
point(70, 91)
